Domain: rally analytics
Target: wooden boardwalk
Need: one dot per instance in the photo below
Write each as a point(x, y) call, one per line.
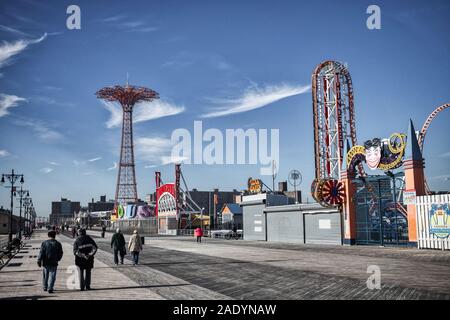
point(179, 268)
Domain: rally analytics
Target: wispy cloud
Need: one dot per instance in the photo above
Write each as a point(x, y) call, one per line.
point(150, 166)
point(13, 30)
point(8, 101)
point(142, 112)
point(42, 130)
point(445, 155)
point(153, 149)
point(46, 170)
point(95, 159)
point(172, 160)
point(445, 177)
point(113, 167)
point(53, 163)
point(88, 173)
point(10, 49)
point(254, 98)
point(44, 100)
point(123, 23)
point(4, 153)
point(185, 59)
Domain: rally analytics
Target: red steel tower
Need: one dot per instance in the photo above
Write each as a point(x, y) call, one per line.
point(127, 96)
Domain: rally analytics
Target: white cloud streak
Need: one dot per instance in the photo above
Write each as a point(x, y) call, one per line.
point(13, 30)
point(4, 153)
point(8, 101)
point(95, 159)
point(41, 129)
point(46, 170)
point(153, 149)
point(10, 49)
point(113, 167)
point(145, 111)
point(254, 98)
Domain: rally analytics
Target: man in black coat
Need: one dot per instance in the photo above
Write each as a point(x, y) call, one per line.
point(84, 250)
point(118, 245)
point(50, 254)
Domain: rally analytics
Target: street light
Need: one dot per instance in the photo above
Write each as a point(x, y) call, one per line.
point(27, 202)
point(21, 193)
point(12, 178)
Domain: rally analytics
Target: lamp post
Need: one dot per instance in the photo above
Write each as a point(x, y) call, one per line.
point(21, 194)
point(12, 178)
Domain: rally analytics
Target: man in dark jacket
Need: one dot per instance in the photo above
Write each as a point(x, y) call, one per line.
point(118, 245)
point(50, 254)
point(84, 250)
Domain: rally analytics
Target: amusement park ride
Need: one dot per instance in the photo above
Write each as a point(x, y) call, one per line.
point(334, 128)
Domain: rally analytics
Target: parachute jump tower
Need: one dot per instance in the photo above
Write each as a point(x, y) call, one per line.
point(127, 96)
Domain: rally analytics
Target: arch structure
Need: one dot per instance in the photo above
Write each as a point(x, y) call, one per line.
point(334, 123)
point(424, 130)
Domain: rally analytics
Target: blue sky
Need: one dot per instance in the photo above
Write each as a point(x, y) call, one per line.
point(201, 56)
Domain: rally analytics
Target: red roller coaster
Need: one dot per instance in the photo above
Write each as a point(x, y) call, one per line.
point(334, 123)
point(424, 130)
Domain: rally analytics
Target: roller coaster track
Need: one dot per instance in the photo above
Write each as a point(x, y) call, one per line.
point(424, 130)
point(334, 124)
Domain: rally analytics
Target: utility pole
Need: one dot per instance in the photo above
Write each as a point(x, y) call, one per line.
point(21, 224)
point(12, 178)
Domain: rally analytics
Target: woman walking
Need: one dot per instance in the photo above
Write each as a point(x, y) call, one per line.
point(199, 234)
point(135, 246)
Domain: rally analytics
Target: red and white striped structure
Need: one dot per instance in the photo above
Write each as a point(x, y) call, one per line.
point(334, 123)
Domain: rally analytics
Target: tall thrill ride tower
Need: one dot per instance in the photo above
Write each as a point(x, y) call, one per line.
point(127, 96)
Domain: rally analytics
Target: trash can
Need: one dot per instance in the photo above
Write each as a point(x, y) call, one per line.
point(142, 240)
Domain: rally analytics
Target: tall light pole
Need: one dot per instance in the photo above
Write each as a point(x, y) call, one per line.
point(21, 193)
point(28, 206)
point(12, 178)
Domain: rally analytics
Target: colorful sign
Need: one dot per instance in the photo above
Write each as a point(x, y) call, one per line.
point(254, 185)
point(409, 197)
point(379, 154)
point(166, 204)
point(440, 220)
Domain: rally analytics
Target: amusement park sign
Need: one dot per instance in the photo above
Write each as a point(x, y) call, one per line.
point(380, 154)
point(440, 220)
point(254, 185)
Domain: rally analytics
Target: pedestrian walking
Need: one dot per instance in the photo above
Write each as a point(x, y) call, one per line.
point(74, 231)
point(135, 246)
point(84, 250)
point(50, 254)
point(118, 245)
point(199, 234)
point(103, 230)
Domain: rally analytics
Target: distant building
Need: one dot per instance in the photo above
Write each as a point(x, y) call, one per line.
point(283, 189)
point(231, 214)
point(63, 210)
point(213, 201)
point(101, 205)
point(4, 222)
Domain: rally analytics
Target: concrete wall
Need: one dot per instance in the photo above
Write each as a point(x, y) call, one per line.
point(323, 228)
point(285, 226)
point(303, 223)
point(254, 224)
